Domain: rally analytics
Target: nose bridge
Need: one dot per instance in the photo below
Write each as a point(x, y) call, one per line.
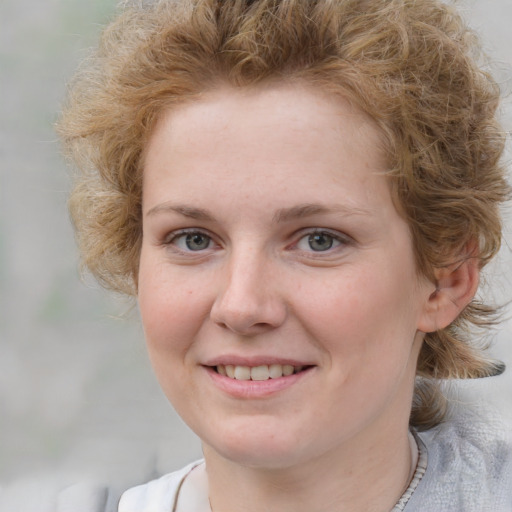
point(244, 267)
point(249, 300)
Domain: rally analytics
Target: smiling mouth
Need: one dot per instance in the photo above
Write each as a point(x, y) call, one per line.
point(259, 373)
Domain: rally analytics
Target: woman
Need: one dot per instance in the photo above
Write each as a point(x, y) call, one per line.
point(301, 195)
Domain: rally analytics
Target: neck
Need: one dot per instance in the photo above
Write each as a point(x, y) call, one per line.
point(369, 474)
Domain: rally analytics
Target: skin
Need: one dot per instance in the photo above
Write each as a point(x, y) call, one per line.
point(251, 174)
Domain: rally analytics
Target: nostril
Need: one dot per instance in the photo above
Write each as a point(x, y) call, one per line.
point(262, 325)
point(248, 310)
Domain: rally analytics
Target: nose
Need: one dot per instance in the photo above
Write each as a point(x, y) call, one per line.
point(249, 301)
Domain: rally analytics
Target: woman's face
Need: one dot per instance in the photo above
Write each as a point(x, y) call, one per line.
point(271, 245)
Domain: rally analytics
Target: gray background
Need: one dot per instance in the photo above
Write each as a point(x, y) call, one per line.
point(76, 391)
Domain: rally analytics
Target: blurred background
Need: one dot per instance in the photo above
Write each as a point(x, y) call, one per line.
point(77, 395)
point(76, 391)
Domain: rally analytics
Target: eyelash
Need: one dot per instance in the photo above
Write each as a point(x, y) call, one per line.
point(171, 240)
point(337, 240)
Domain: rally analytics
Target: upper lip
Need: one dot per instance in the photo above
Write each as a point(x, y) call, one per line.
point(252, 361)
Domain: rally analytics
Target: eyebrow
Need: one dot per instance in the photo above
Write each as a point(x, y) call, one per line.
point(184, 210)
point(281, 215)
point(311, 209)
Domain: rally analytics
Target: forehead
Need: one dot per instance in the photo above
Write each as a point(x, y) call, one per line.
point(293, 136)
point(287, 112)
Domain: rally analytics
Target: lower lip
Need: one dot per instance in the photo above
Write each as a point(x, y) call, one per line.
point(255, 388)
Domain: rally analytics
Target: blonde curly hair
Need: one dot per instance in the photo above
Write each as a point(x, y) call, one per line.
point(412, 65)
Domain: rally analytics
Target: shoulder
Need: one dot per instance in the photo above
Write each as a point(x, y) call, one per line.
point(157, 495)
point(469, 466)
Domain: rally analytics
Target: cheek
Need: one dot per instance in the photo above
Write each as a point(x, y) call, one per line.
point(170, 308)
point(367, 315)
point(171, 313)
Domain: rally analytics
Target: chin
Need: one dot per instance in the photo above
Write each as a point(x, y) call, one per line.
point(267, 457)
point(256, 447)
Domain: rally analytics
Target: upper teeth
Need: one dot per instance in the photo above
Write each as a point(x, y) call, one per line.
point(263, 372)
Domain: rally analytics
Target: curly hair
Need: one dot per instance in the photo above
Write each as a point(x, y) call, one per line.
point(411, 65)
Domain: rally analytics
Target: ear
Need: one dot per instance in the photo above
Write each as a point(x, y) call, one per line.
point(456, 286)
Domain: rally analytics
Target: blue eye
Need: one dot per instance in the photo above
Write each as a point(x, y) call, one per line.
point(319, 241)
point(193, 241)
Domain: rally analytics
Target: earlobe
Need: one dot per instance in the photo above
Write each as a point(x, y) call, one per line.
point(456, 286)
